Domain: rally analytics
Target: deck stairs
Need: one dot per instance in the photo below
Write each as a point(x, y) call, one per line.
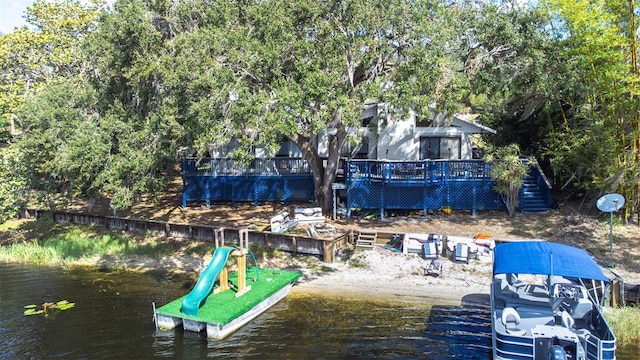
point(531, 197)
point(366, 239)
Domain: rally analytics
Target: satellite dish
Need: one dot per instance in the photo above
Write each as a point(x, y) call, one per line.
point(610, 202)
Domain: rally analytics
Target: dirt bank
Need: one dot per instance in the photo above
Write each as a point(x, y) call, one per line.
point(382, 272)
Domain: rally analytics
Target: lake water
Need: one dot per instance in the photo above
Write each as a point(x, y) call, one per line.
point(112, 319)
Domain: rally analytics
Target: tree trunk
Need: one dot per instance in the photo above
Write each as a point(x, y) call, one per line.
point(323, 175)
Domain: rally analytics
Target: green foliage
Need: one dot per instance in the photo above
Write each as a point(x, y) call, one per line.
point(60, 245)
point(508, 170)
point(12, 184)
point(625, 323)
point(65, 148)
point(106, 135)
point(32, 58)
point(595, 139)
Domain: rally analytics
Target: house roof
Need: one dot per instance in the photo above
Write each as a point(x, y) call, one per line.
point(469, 123)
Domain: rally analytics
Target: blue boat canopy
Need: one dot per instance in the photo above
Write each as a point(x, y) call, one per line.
point(535, 257)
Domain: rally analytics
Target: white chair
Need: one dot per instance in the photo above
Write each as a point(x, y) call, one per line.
point(462, 252)
point(429, 250)
point(436, 268)
point(511, 320)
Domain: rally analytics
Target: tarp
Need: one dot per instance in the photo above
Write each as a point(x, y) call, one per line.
point(535, 257)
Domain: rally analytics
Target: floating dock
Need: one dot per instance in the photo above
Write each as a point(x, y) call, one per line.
point(222, 301)
point(222, 313)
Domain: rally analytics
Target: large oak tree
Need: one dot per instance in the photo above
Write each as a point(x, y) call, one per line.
point(260, 70)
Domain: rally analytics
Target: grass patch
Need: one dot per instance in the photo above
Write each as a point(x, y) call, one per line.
point(44, 242)
point(358, 261)
point(625, 323)
point(13, 224)
point(262, 252)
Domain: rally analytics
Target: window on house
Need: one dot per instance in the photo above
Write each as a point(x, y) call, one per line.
point(360, 151)
point(366, 121)
point(435, 147)
point(429, 148)
point(284, 148)
point(363, 150)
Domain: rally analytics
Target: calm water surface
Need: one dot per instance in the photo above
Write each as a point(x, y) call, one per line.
point(112, 319)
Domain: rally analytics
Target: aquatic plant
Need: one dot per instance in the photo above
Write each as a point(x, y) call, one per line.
point(625, 322)
point(48, 308)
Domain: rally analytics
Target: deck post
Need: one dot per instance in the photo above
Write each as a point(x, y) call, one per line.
point(327, 251)
point(382, 202)
point(474, 205)
point(425, 211)
point(335, 210)
point(233, 196)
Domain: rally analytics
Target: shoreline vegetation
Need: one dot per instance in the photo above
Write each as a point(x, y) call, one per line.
point(378, 273)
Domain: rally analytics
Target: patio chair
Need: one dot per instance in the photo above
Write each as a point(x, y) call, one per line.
point(436, 268)
point(429, 250)
point(462, 253)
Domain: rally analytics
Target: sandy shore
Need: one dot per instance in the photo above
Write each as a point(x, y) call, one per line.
point(385, 275)
point(378, 274)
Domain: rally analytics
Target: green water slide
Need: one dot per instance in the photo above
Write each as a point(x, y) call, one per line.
point(204, 285)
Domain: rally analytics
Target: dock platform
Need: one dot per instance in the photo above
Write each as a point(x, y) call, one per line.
point(222, 312)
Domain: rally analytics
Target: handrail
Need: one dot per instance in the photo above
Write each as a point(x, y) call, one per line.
point(542, 175)
point(258, 166)
point(422, 171)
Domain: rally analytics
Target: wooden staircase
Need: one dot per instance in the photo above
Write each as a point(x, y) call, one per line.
point(366, 239)
point(531, 197)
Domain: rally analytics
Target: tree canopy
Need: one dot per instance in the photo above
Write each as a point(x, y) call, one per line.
point(106, 94)
point(295, 68)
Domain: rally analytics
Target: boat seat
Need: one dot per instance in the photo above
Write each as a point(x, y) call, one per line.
point(583, 334)
point(567, 320)
point(516, 283)
point(511, 320)
point(580, 308)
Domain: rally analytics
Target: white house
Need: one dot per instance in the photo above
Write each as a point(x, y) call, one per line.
point(408, 139)
point(413, 138)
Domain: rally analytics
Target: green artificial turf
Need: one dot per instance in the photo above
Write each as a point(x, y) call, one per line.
point(223, 307)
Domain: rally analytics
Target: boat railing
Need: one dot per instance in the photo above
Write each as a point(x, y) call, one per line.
point(514, 347)
point(602, 346)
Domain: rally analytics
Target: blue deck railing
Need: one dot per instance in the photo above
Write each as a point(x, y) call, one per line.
point(370, 184)
point(411, 173)
point(422, 185)
point(257, 167)
point(278, 179)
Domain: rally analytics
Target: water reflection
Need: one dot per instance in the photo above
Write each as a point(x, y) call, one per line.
point(113, 319)
point(304, 327)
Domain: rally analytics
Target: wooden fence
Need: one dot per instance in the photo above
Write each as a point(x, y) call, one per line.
point(325, 249)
